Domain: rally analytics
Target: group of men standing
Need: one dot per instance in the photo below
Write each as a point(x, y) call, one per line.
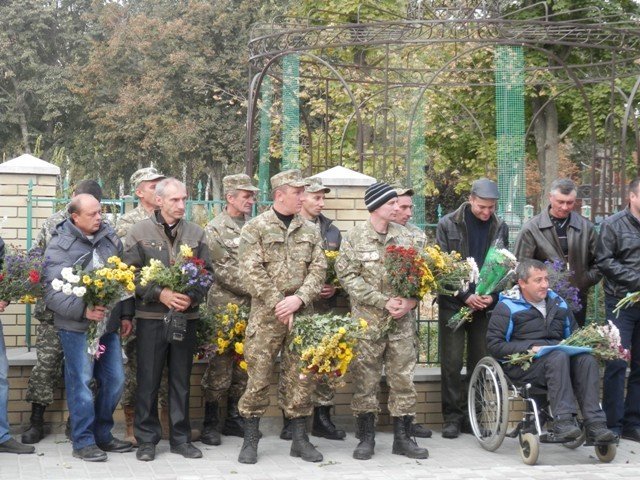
point(275, 263)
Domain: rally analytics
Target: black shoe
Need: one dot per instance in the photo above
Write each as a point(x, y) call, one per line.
point(451, 430)
point(210, 434)
point(35, 432)
point(67, 429)
point(323, 426)
point(116, 446)
point(233, 423)
point(13, 446)
point(90, 454)
point(566, 429)
point(146, 452)
point(300, 446)
point(366, 433)
point(187, 450)
point(599, 433)
point(403, 444)
point(420, 431)
point(285, 433)
point(632, 434)
point(249, 451)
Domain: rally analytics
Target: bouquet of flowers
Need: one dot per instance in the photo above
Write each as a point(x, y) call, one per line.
point(332, 278)
point(627, 301)
point(182, 276)
point(413, 273)
point(20, 276)
point(601, 341)
point(222, 329)
point(325, 344)
point(104, 286)
point(559, 276)
point(498, 265)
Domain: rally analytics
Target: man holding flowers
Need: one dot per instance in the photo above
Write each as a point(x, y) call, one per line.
point(470, 230)
point(86, 242)
point(223, 376)
point(165, 318)
point(529, 317)
point(389, 339)
point(282, 260)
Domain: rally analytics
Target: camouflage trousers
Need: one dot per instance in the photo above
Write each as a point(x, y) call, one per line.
point(130, 372)
point(322, 396)
point(223, 377)
point(47, 373)
point(398, 357)
point(265, 338)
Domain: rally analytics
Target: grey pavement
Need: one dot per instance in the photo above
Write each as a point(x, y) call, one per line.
point(461, 458)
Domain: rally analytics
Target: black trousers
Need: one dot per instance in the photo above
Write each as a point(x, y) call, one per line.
point(153, 353)
point(452, 348)
point(566, 380)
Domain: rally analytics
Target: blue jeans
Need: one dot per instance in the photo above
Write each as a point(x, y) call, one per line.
point(4, 390)
point(91, 421)
point(623, 414)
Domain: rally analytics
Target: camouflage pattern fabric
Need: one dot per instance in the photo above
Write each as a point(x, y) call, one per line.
point(419, 237)
point(47, 372)
point(360, 268)
point(126, 221)
point(223, 376)
point(277, 262)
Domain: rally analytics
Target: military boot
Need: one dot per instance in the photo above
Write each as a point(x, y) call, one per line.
point(249, 450)
point(366, 433)
point(301, 447)
point(323, 426)
point(129, 417)
point(35, 432)
point(210, 435)
point(403, 444)
point(233, 423)
point(286, 434)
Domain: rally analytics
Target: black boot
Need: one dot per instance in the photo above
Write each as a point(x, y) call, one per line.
point(249, 451)
point(35, 432)
point(301, 447)
point(210, 436)
point(234, 423)
point(286, 434)
point(323, 426)
point(403, 444)
point(366, 433)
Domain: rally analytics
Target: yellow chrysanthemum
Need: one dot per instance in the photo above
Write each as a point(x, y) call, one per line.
point(239, 348)
point(243, 364)
point(186, 251)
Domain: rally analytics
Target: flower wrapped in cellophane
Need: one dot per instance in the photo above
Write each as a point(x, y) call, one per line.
point(601, 341)
point(103, 286)
point(499, 264)
point(559, 275)
point(332, 277)
point(627, 301)
point(185, 274)
point(21, 275)
point(222, 329)
point(413, 273)
point(326, 344)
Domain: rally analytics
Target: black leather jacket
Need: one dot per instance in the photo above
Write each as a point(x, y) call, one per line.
point(618, 253)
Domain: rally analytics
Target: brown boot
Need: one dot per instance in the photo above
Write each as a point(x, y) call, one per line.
point(129, 415)
point(164, 423)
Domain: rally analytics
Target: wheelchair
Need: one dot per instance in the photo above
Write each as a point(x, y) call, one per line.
point(488, 399)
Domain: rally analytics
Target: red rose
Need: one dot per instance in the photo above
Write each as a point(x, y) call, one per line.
point(34, 276)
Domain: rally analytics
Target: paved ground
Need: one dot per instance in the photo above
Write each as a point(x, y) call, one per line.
point(449, 459)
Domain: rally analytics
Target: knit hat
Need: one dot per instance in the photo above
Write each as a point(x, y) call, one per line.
point(378, 194)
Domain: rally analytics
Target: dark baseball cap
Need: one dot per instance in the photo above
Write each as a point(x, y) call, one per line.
point(485, 188)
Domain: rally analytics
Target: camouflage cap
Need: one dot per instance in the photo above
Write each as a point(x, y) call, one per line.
point(241, 181)
point(147, 174)
point(293, 178)
point(404, 191)
point(314, 185)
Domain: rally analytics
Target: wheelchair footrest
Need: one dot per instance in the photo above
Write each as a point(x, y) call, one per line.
point(549, 437)
point(589, 443)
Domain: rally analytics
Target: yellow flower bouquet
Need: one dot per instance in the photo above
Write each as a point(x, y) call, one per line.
point(326, 344)
point(221, 330)
point(103, 286)
point(332, 277)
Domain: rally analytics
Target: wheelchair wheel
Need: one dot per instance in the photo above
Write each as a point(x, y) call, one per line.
point(529, 446)
point(488, 402)
point(606, 453)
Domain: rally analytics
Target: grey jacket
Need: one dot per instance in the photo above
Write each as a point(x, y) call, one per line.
point(538, 240)
point(69, 247)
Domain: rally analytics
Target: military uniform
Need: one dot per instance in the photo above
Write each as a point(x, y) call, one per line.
point(419, 237)
point(360, 268)
point(223, 375)
point(279, 262)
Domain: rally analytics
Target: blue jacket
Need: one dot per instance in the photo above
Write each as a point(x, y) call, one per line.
point(516, 325)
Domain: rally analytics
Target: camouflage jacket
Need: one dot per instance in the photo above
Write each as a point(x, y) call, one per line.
point(276, 262)
point(419, 237)
point(361, 271)
point(223, 239)
point(48, 227)
point(126, 221)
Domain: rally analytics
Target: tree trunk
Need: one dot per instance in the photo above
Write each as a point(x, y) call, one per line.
point(21, 106)
point(545, 132)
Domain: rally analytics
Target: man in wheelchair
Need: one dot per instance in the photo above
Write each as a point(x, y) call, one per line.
point(530, 316)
